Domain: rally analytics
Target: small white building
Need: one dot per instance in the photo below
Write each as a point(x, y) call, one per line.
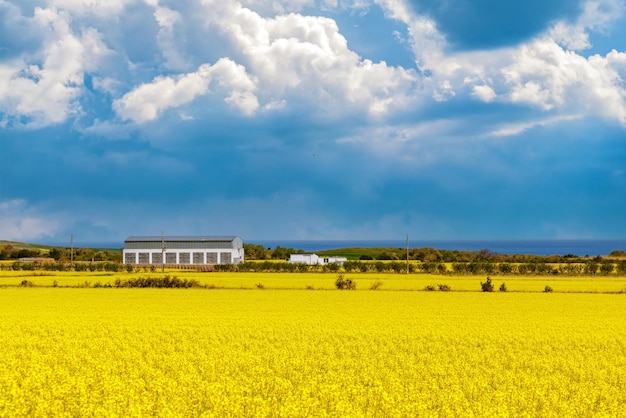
point(314, 259)
point(183, 250)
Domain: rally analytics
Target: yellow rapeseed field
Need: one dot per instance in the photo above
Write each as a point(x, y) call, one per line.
point(364, 281)
point(72, 352)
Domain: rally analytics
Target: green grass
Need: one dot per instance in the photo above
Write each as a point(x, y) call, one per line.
point(25, 246)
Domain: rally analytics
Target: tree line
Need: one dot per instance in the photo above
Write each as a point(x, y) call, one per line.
point(587, 268)
point(8, 252)
point(429, 254)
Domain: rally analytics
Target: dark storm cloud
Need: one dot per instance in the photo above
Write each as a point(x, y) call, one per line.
point(477, 24)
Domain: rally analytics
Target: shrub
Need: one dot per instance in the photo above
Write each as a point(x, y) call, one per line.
point(429, 267)
point(487, 286)
point(260, 286)
point(27, 283)
point(376, 285)
point(350, 266)
point(548, 289)
point(343, 283)
point(397, 267)
point(430, 288)
point(380, 266)
point(503, 287)
point(505, 268)
point(606, 268)
point(332, 267)
point(459, 268)
point(444, 287)
point(161, 282)
point(301, 267)
point(591, 267)
point(80, 267)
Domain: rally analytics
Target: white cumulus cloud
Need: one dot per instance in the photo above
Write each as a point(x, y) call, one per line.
point(148, 101)
point(297, 57)
point(45, 85)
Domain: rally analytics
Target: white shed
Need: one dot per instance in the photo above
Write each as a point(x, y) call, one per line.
point(314, 259)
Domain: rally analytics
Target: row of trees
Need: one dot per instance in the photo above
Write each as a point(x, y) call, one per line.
point(259, 252)
point(8, 252)
point(590, 268)
point(429, 254)
point(110, 266)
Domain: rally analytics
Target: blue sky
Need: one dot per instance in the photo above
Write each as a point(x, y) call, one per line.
point(312, 119)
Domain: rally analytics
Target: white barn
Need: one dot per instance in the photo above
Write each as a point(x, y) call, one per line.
point(183, 250)
point(314, 259)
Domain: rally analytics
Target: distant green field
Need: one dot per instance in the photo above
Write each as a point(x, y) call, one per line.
point(354, 253)
point(26, 246)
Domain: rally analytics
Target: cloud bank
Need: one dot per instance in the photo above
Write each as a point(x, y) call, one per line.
point(254, 103)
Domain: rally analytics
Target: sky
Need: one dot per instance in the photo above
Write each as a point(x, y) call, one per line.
point(312, 119)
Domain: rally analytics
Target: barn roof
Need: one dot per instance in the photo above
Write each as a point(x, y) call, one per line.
point(222, 238)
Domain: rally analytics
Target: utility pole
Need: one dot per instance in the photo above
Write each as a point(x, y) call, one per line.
point(407, 253)
point(162, 252)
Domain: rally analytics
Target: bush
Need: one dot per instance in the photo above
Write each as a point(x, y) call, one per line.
point(444, 287)
point(487, 286)
point(430, 288)
point(344, 284)
point(505, 268)
point(380, 266)
point(376, 285)
point(160, 282)
point(606, 268)
point(547, 289)
point(503, 287)
point(332, 267)
point(397, 267)
point(260, 286)
point(350, 266)
point(429, 267)
point(459, 268)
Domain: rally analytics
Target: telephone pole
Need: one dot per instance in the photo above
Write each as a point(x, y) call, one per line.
point(162, 252)
point(407, 253)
